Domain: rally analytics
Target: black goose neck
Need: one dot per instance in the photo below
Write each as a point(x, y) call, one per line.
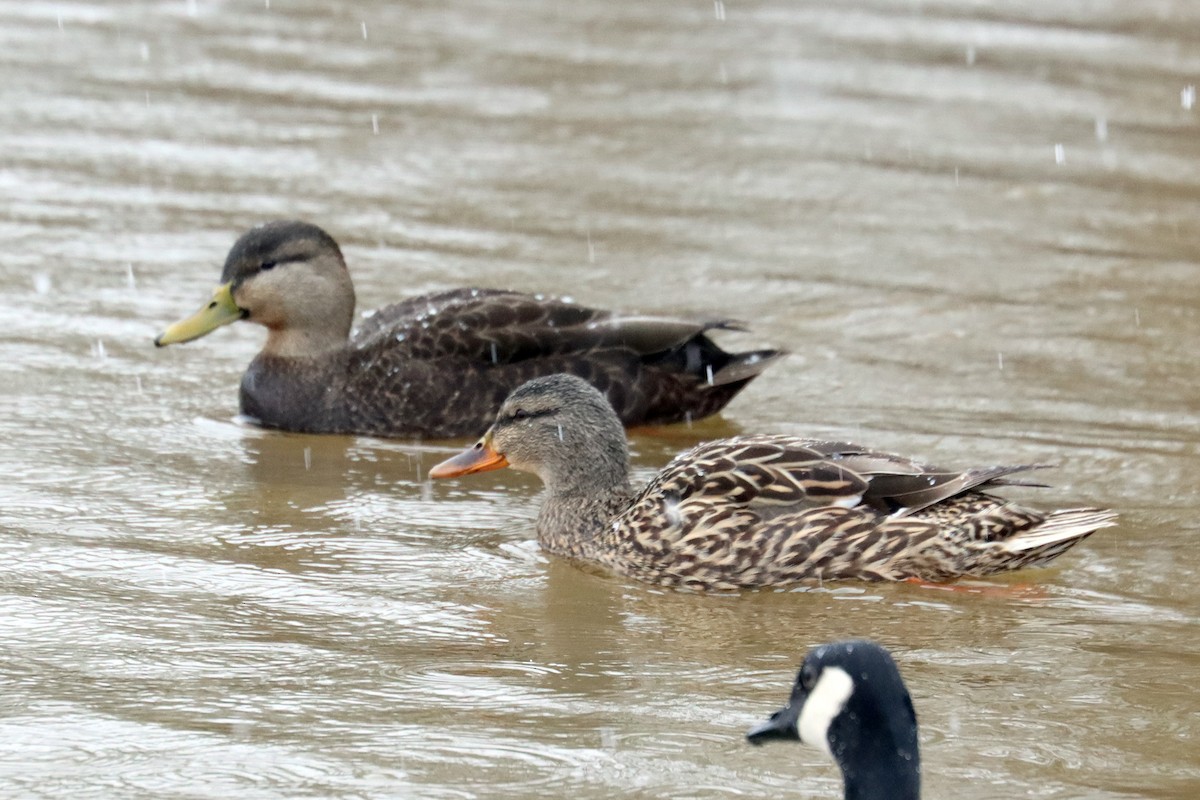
point(898, 780)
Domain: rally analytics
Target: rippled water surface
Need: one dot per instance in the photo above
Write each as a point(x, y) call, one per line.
point(973, 224)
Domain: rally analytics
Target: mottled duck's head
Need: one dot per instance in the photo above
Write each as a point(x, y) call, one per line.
point(559, 428)
point(850, 701)
point(288, 276)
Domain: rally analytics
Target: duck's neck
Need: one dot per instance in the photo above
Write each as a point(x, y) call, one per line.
point(575, 512)
point(306, 342)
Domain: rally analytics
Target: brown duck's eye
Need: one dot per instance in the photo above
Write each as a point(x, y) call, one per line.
point(520, 413)
point(266, 265)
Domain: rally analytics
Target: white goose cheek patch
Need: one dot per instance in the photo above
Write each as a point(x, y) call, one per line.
point(825, 702)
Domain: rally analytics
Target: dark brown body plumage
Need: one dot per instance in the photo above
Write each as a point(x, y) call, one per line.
point(440, 365)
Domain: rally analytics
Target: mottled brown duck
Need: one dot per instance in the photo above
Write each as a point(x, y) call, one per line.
point(756, 511)
point(439, 365)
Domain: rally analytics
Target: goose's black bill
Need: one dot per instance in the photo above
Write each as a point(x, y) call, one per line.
point(781, 725)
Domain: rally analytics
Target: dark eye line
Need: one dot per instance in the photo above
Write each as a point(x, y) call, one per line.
point(521, 414)
point(272, 263)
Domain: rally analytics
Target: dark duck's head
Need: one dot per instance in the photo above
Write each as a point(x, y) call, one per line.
point(288, 276)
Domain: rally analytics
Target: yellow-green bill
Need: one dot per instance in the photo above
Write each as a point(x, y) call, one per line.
point(220, 311)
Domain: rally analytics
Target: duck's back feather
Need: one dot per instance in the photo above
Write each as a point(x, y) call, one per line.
point(492, 326)
point(769, 510)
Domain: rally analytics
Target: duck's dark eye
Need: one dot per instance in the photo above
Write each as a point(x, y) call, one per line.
point(519, 414)
point(266, 265)
point(808, 677)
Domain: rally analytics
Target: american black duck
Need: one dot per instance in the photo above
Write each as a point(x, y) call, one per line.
point(440, 365)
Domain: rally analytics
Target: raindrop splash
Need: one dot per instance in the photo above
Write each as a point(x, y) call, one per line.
point(1187, 97)
point(130, 280)
point(307, 458)
point(375, 123)
point(560, 434)
point(671, 510)
point(719, 10)
point(1060, 154)
point(42, 283)
point(1101, 129)
point(1000, 360)
point(98, 350)
point(708, 371)
point(495, 357)
point(364, 30)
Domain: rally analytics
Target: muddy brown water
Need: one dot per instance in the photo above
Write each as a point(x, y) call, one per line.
point(974, 225)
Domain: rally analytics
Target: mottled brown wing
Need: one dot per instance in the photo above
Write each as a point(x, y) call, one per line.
point(764, 474)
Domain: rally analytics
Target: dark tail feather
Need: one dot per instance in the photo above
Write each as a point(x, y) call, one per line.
point(906, 494)
point(711, 366)
point(705, 377)
point(744, 367)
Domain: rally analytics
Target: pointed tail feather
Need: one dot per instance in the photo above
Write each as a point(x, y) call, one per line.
point(744, 366)
point(1061, 531)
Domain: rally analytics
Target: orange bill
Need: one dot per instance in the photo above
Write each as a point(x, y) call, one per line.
point(479, 458)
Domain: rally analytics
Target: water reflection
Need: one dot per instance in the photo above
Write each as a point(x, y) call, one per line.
point(973, 229)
